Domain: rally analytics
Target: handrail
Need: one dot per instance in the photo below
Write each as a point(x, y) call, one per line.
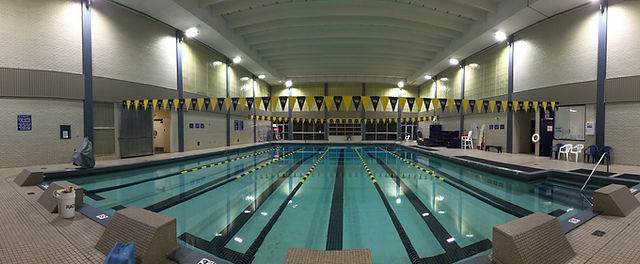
point(591, 174)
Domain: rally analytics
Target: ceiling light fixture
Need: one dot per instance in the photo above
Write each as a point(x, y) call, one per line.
point(453, 61)
point(244, 78)
point(262, 76)
point(427, 77)
point(400, 84)
point(288, 83)
point(473, 65)
point(191, 32)
point(217, 63)
point(237, 59)
point(500, 36)
point(444, 79)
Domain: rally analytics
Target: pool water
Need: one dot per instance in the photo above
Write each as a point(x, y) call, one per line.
point(251, 206)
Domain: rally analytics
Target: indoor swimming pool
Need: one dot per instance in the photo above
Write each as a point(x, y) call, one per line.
point(254, 204)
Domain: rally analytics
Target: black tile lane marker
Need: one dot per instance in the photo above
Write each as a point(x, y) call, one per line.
point(479, 194)
point(334, 233)
point(110, 188)
point(453, 252)
point(406, 242)
point(253, 249)
point(204, 188)
point(216, 246)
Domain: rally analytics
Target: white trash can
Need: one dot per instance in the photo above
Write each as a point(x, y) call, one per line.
point(66, 203)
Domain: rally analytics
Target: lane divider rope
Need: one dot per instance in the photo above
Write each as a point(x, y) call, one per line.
point(313, 167)
point(373, 179)
point(227, 161)
point(413, 164)
point(266, 164)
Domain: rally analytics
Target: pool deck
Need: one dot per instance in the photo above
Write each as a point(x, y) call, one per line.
point(30, 234)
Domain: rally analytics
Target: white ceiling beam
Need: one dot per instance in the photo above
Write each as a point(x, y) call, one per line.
point(448, 7)
point(389, 63)
point(331, 33)
point(345, 50)
point(397, 44)
point(486, 5)
point(344, 8)
point(345, 55)
point(241, 5)
point(364, 21)
point(205, 3)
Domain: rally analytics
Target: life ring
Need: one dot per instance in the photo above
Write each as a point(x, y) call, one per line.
point(535, 138)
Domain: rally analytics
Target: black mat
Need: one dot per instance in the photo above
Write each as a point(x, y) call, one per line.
point(500, 164)
point(599, 173)
point(629, 176)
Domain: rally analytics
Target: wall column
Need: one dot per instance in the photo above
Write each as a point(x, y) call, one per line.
point(510, 96)
point(462, 96)
point(290, 114)
point(228, 73)
point(253, 89)
point(363, 126)
point(602, 72)
point(87, 71)
point(179, 37)
point(399, 123)
point(326, 113)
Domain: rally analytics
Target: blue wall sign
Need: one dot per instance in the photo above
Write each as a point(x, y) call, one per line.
point(24, 122)
point(238, 125)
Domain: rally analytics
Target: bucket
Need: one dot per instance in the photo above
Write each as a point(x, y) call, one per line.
point(66, 203)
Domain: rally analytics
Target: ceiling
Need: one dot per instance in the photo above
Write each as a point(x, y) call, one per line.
point(349, 40)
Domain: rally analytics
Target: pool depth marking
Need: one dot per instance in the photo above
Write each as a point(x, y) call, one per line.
point(197, 191)
point(479, 194)
point(216, 246)
point(110, 188)
point(334, 232)
point(406, 242)
point(253, 249)
point(453, 251)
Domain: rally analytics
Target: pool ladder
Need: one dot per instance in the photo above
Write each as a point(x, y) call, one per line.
point(587, 181)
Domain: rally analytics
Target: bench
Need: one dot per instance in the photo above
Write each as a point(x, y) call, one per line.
point(488, 147)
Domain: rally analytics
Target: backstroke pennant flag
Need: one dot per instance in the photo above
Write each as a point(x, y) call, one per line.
point(356, 101)
point(410, 102)
point(283, 101)
point(145, 103)
point(450, 104)
point(319, 100)
point(520, 106)
point(309, 100)
point(435, 102)
point(227, 103)
point(338, 101)
point(250, 102)
point(365, 102)
point(301, 100)
point(418, 105)
point(492, 105)
point(292, 102)
point(265, 102)
point(181, 104)
point(394, 101)
point(257, 101)
point(443, 103)
point(347, 102)
point(385, 101)
point(165, 103)
point(458, 103)
point(170, 104)
point(154, 103)
point(499, 106)
point(374, 102)
point(207, 103)
point(220, 102)
point(401, 102)
point(200, 102)
point(535, 105)
point(485, 105)
point(274, 106)
point(479, 105)
point(510, 106)
point(472, 105)
point(526, 106)
point(328, 101)
point(194, 103)
point(427, 103)
point(187, 103)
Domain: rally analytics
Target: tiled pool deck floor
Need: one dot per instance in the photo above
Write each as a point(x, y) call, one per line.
point(30, 234)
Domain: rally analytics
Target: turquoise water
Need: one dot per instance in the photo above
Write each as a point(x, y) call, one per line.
point(406, 213)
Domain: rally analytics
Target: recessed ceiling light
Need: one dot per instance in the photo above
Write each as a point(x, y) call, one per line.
point(400, 84)
point(237, 59)
point(473, 65)
point(217, 63)
point(191, 32)
point(453, 61)
point(244, 78)
point(262, 76)
point(500, 36)
point(427, 77)
point(444, 79)
point(288, 83)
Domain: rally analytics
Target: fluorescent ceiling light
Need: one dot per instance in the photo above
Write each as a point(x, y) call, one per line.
point(427, 77)
point(262, 76)
point(400, 84)
point(453, 61)
point(288, 83)
point(237, 59)
point(191, 32)
point(500, 36)
point(473, 65)
point(217, 63)
point(244, 78)
point(444, 79)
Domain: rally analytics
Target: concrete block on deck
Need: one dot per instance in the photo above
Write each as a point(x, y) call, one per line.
point(29, 177)
point(615, 200)
point(51, 204)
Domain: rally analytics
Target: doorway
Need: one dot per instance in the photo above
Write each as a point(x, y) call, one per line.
point(546, 133)
point(161, 131)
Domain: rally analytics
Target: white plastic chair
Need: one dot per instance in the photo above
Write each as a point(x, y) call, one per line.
point(407, 137)
point(565, 149)
point(577, 149)
point(466, 141)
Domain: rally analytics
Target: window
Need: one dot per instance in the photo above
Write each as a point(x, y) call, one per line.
point(570, 122)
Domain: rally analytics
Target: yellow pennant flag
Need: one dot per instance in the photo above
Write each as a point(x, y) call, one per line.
point(544, 105)
point(227, 103)
point(258, 102)
point(145, 103)
point(187, 103)
point(465, 104)
point(242, 102)
point(200, 102)
point(526, 106)
point(505, 107)
point(292, 102)
point(492, 105)
point(135, 104)
point(274, 102)
point(309, 101)
point(327, 102)
point(419, 103)
point(347, 102)
point(154, 102)
point(165, 103)
point(535, 106)
point(435, 103)
point(553, 106)
point(176, 104)
point(365, 100)
point(128, 104)
point(401, 102)
point(384, 100)
point(450, 104)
